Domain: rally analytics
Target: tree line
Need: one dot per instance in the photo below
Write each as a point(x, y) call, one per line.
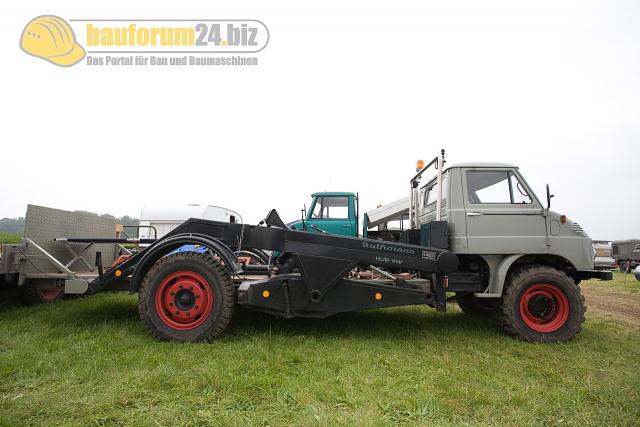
point(16, 225)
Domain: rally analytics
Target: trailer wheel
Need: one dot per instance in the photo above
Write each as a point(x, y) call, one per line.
point(469, 304)
point(541, 304)
point(187, 296)
point(31, 294)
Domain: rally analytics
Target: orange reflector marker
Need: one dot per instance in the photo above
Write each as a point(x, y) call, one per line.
point(118, 273)
point(419, 165)
point(378, 295)
point(563, 219)
point(265, 294)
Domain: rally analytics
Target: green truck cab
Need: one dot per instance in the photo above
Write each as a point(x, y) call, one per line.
point(333, 212)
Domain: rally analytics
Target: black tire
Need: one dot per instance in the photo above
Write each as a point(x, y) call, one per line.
point(203, 297)
point(10, 279)
point(32, 294)
point(469, 304)
point(541, 304)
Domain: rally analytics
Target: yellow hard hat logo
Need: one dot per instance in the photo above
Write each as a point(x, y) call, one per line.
point(50, 37)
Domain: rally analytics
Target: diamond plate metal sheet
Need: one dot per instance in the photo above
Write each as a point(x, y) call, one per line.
point(43, 224)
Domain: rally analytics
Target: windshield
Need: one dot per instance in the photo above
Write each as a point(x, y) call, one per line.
point(331, 207)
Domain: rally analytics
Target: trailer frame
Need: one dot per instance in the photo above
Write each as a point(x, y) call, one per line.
point(310, 281)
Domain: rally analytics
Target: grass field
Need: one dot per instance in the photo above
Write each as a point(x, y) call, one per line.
point(10, 237)
point(620, 284)
point(88, 361)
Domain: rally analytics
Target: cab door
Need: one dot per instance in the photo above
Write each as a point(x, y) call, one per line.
point(502, 214)
point(333, 214)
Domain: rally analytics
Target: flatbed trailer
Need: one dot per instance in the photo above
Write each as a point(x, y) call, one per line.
point(44, 267)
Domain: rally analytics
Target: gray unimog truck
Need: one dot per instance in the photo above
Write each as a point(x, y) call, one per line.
point(477, 230)
point(529, 260)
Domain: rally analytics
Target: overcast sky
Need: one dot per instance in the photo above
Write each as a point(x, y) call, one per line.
point(344, 98)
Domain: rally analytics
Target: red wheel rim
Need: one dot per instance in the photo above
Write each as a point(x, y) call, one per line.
point(50, 294)
point(184, 300)
point(544, 307)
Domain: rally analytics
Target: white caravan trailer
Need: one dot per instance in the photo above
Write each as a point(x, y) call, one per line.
point(165, 218)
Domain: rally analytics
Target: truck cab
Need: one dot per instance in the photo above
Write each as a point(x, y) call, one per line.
point(334, 212)
point(495, 222)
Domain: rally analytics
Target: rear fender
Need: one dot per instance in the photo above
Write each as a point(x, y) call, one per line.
point(498, 269)
point(167, 246)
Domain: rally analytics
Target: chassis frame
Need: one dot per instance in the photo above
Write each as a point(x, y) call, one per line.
point(310, 281)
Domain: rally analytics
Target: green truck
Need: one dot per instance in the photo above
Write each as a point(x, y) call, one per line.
point(337, 212)
point(334, 212)
point(626, 253)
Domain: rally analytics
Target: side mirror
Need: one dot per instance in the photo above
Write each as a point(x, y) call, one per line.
point(549, 196)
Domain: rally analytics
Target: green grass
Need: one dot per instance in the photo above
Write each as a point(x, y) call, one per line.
point(10, 237)
point(90, 361)
point(618, 284)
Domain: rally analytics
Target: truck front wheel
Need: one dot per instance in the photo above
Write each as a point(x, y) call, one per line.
point(187, 296)
point(541, 304)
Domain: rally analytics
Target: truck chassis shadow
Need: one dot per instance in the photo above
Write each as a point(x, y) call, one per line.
point(93, 312)
point(374, 324)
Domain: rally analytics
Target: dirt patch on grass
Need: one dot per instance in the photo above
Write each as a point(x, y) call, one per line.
point(621, 306)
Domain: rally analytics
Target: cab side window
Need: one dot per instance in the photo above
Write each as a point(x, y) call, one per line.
point(495, 187)
point(431, 194)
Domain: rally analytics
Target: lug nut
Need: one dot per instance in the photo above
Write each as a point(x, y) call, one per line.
point(170, 304)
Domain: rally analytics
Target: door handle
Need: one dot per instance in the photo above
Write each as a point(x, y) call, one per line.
point(474, 214)
point(345, 225)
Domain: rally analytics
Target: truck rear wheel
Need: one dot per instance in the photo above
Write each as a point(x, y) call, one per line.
point(187, 296)
point(469, 304)
point(541, 304)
